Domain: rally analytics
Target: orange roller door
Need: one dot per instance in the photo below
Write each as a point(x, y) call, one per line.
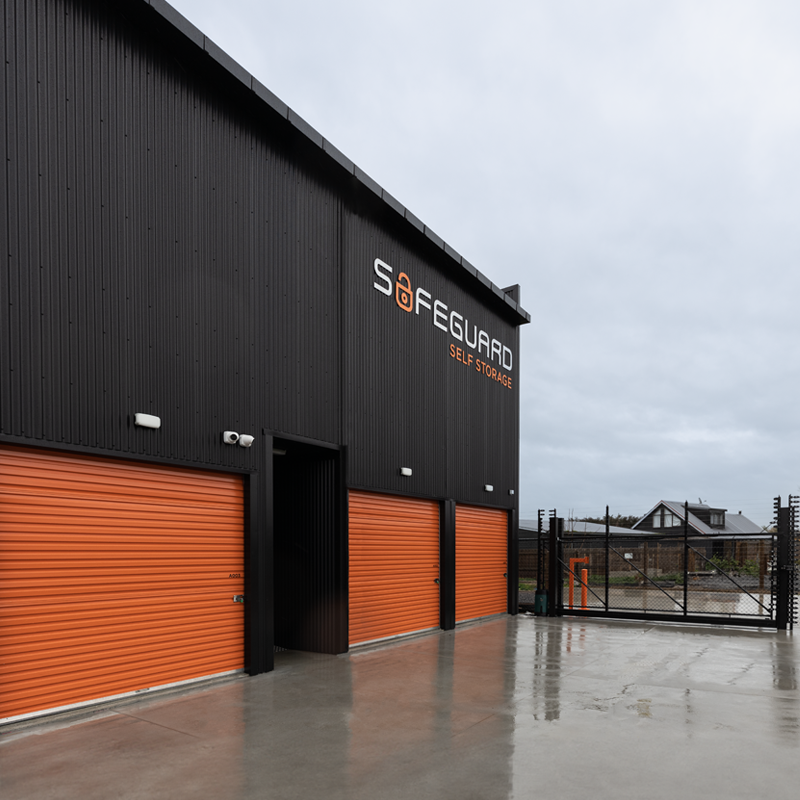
point(481, 562)
point(394, 566)
point(114, 577)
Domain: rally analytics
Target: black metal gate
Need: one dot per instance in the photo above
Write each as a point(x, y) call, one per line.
point(748, 579)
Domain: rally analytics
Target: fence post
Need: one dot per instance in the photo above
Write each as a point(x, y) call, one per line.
point(540, 553)
point(555, 579)
point(685, 557)
point(608, 551)
point(782, 564)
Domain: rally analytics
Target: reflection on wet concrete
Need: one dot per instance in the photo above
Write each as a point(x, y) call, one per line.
point(511, 708)
point(545, 665)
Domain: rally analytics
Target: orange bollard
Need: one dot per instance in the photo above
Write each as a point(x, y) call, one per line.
point(585, 589)
point(572, 563)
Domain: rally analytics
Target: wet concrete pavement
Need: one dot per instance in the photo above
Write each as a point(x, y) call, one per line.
point(510, 708)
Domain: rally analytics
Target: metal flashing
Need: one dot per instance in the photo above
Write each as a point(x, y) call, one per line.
point(437, 240)
point(272, 100)
point(338, 156)
point(178, 21)
point(415, 221)
point(371, 184)
point(393, 203)
point(452, 253)
point(483, 279)
point(468, 267)
point(311, 133)
point(224, 60)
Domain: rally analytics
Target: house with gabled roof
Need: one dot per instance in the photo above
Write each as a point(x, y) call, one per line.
point(668, 516)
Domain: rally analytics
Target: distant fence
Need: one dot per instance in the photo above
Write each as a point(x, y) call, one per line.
point(748, 579)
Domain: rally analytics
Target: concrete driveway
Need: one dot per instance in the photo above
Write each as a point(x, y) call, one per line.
point(508, 708)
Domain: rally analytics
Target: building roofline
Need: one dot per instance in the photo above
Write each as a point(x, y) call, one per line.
point(261, 94)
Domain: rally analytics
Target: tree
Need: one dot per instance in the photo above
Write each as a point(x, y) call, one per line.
point(617, 520)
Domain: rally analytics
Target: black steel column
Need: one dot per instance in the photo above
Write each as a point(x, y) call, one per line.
point(259, 579)
point(782, 595)
point(447, 565)
point(554, 578)
point(513, 562)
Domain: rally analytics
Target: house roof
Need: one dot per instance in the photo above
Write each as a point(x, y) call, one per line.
point(177, 27)
point(734, 523)
point(574, 526)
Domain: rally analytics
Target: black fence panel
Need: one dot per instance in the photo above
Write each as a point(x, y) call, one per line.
point(743, 579)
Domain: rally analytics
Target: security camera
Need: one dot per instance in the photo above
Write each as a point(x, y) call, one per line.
point(230, 437)
point(245, 440)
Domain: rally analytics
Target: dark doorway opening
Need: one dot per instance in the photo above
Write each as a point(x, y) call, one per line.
point(310, 548)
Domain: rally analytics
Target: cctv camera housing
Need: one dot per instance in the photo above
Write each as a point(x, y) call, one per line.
point(245, 440)
point(230, 437)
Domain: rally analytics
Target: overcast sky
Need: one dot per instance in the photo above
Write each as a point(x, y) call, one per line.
point(635, 166)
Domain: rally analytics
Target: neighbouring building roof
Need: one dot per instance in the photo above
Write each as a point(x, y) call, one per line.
point(733, 523)
point(571, 525)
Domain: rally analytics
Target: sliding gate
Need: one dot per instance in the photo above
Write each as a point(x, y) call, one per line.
point(743, 580)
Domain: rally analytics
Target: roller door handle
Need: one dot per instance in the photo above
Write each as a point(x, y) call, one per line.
point(505, 574)
point(238, 598)
point(436, 580)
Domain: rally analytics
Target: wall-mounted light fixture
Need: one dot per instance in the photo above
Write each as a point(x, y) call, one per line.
point(146, 420)
point(511, 491)
point(406, 471)
point(230, 437)
point(246, 440)
point(488, 487)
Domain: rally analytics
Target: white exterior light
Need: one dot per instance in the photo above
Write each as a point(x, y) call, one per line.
point(488, 488)
point(146, 420)
point(405, 471)
point(246, 440)
point(511, 491)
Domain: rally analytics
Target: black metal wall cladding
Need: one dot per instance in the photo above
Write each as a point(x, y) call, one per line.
point(164, 255)
point(175, 250)
point(408, 401)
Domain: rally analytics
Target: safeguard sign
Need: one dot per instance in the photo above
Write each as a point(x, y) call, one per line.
point(489, 357)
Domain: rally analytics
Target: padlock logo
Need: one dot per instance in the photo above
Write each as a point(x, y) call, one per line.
point(403, 293)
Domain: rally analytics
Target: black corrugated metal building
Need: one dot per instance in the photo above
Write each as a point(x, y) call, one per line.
point(181, 244)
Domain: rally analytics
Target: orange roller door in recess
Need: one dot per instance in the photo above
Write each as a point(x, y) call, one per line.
point(394, 566)
point(114, 577)
point(481, 562)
